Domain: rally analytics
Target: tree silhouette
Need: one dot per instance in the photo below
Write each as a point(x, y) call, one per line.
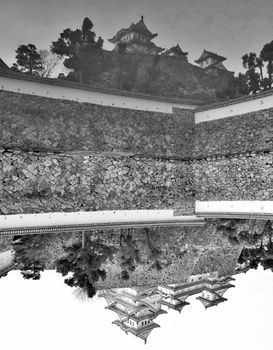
point(267, 56)
point(154, 251)
point(27, 256)
point(254, 78)
point(263, 254)
point(28, 59)
point(129, 254)
point(81, 51)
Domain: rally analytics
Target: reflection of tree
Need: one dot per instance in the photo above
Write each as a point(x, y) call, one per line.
point(260, 255)
point(154, 251)
point(239, 231)
point(32, 269)
point(27, 257)
point(129, 254)
point(84, 260)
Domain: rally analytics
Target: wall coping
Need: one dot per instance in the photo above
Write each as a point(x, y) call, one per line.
point(80, 86)
point(217, 110)
point(234, 209)
point(64, 221)
point(233, 101)
point(236, 107)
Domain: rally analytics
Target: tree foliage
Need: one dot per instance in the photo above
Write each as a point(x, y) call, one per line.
point(28, 59)
point(255, 79)
point(27, 257)
point(263, 254)
point(84, 261)
point(81, 52)
point(129, 254)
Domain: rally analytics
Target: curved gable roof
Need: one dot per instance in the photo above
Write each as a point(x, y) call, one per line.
point(140, 28)
point(206, 54)
point(3, 65)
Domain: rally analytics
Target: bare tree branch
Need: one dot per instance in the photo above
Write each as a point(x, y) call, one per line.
point(49, 62)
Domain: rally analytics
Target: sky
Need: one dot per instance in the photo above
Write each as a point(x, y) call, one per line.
point(46, 315)
point(228, 27)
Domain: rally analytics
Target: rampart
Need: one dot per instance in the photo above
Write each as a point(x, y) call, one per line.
point(52, 183)
point(38, 123)
point(96, 150)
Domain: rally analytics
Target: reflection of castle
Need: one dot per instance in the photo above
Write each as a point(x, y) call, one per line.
point(138, 307)
point(211, 287)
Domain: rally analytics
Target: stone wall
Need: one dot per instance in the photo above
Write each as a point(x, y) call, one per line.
point(137, 159)
point(244, 177)
point(48, 183)
point(32, 122)
point(39, 123)
point(250, 132)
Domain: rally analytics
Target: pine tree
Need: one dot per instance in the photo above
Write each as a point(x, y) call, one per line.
point(267, 56)
point(81, 51)
point(28, 59)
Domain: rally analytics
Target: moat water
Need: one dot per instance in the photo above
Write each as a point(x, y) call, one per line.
point(142, 285)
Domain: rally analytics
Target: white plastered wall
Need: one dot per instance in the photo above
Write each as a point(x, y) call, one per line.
point(95, 97)
point(243, 107)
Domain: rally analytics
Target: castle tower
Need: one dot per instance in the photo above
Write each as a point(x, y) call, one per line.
point(136, 307)
point(137, 38)
point(213, 293)
point(174, 295)
point(210, 59)
point(176, 51)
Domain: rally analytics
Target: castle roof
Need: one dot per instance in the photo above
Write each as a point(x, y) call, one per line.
point(209, 303)
point(176, 50)
point(212, 282)
point(140, 28)
point(142, 293)
point(207, 54)
point(142, 332)
point(3, 65)
point(133, 316)
point(151, 46)
point(178, 307)
point(109, 298)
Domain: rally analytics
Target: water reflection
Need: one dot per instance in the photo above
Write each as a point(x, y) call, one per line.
point(138, 307)
point(143, 273)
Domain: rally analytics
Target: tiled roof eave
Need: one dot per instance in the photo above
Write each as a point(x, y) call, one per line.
point(3, 65)
point(138, 331)
point(206, 54)
point(144, 43)
point(116, 38)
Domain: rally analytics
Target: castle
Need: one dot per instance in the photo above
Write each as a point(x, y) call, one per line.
point(137, 38)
